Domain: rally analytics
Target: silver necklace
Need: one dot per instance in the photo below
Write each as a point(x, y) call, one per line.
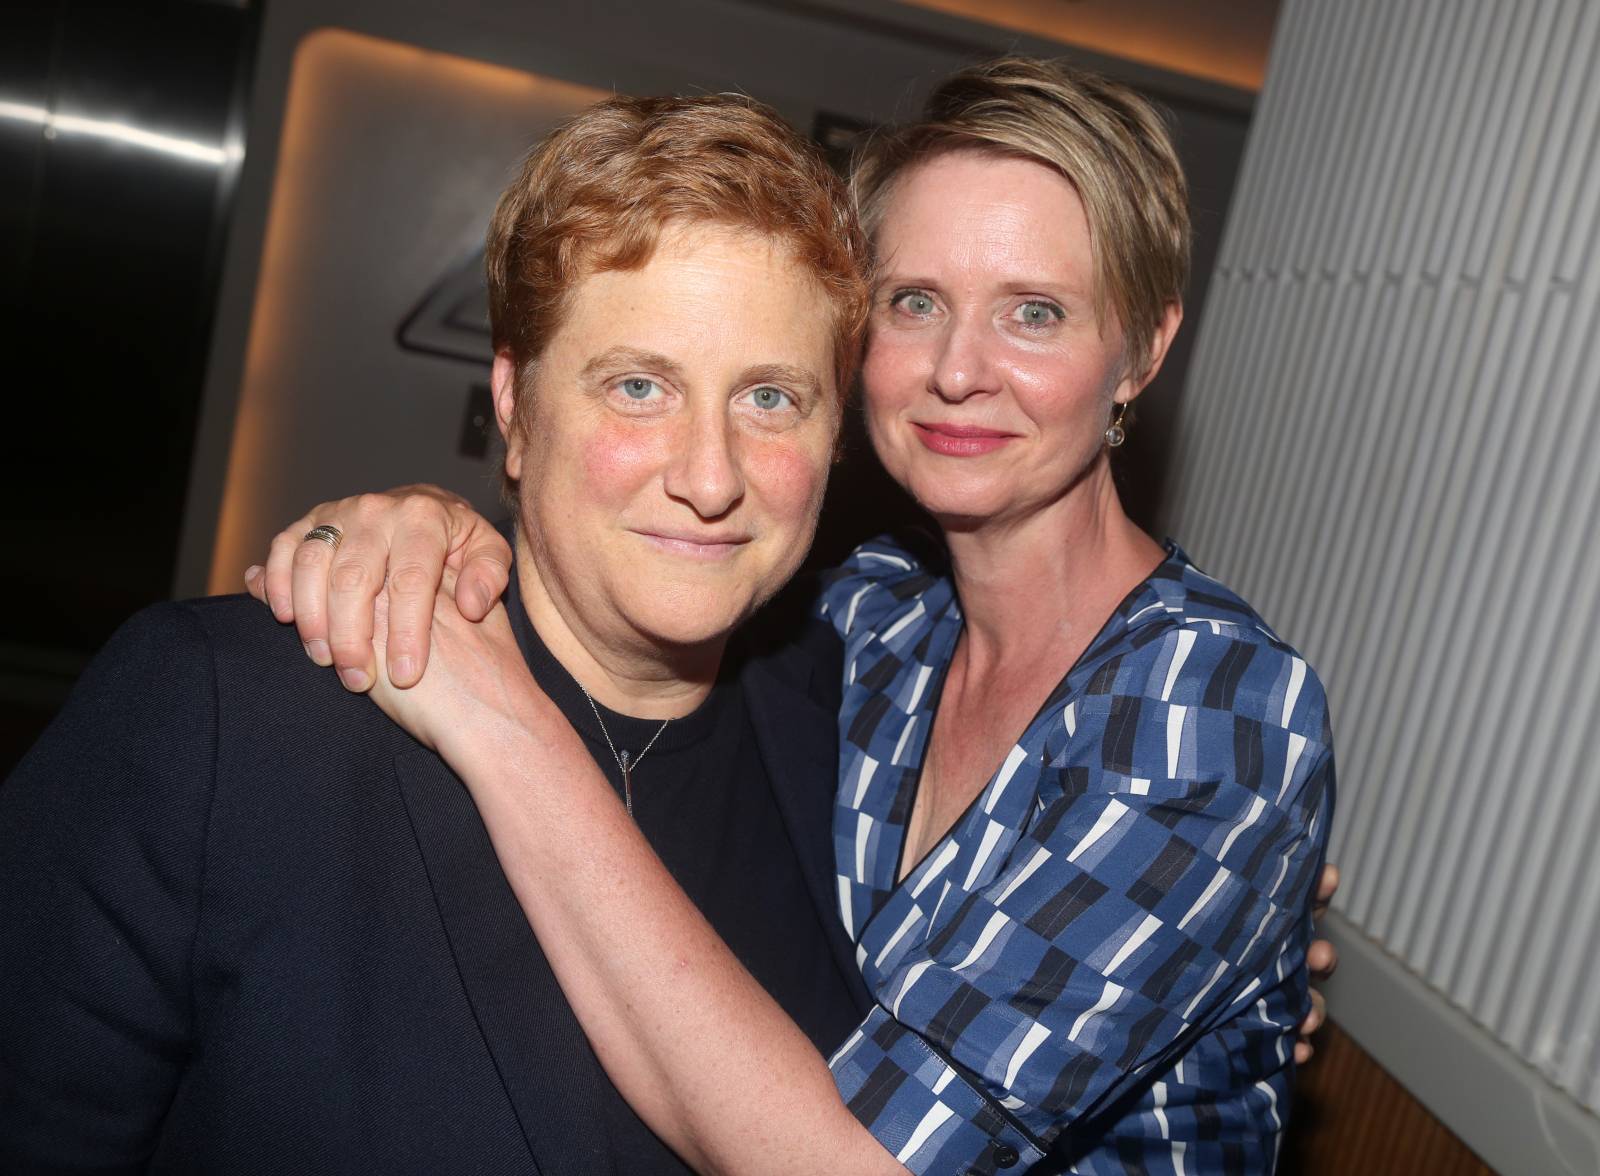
point(625, 765)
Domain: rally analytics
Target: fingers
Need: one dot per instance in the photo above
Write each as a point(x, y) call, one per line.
point(399, 540)
point(1327, 887)
point(354, 578)
point(1322, 958)
point(485, 572)
point(1303, 1049)
point(278, 581)
point(416, 563)
point(404, 538)
point(308, 563)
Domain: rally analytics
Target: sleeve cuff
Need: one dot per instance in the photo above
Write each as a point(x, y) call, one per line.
point(921, 1110)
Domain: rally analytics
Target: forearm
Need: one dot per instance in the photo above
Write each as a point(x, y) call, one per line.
point(694, 1044)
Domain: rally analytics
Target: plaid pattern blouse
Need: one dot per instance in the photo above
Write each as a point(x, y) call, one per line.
point(1104, 960)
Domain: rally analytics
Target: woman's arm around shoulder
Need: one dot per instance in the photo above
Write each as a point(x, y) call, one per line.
point(699, 1050)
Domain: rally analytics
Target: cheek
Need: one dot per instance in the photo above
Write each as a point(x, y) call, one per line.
point(895, 367)
point(1065, 389)
point(883, 394)
point(617, 459)
point(792, 478)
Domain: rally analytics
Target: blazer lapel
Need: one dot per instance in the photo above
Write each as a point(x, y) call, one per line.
point(798, 740)
point(550, 1073)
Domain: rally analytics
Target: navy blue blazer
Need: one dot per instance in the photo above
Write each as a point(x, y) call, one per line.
point(248, 925)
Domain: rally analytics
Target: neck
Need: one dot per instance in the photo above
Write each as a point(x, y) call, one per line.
point(621, 669)
point(1037, 584)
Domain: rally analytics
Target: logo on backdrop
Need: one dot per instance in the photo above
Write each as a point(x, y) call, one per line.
point(452, 319)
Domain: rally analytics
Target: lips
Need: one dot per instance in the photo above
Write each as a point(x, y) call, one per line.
point(690, 545)
point(953, 440)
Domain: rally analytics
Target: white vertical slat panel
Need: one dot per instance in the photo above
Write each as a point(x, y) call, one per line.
point(1391, 443)
point(1428, 137)
point(1498, 600)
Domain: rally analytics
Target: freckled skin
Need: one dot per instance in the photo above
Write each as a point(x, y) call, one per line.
point(661, 520)
point(984, 316)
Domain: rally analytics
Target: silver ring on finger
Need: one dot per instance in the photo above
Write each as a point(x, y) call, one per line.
point(327, 533)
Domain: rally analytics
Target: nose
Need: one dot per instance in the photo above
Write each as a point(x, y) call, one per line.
point(963, 366)
point(705, 472)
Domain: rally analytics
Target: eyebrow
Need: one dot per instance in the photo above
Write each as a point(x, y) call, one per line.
point(783, 373)
point(615, 358)
point(1055, 287)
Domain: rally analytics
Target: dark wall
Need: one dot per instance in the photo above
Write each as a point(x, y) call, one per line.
point(109, 250)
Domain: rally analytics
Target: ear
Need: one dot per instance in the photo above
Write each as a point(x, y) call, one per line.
point(503, 386)
point(1166, 330)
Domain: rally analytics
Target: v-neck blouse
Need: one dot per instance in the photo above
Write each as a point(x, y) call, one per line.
point(1103, 958)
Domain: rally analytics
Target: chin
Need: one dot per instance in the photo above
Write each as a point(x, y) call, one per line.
point(691, 618)
point(733, 594)
point(959, 503)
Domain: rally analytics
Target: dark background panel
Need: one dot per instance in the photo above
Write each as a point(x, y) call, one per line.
point(109, 252)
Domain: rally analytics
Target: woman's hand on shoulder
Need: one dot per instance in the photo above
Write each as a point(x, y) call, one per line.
point(403, 540)
point(478, 696)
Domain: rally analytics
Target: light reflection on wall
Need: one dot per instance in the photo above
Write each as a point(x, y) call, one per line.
point(324, 388)
point(120, 131)
point(1224, 43)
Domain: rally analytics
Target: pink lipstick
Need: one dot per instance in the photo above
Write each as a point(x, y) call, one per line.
point(960, 440)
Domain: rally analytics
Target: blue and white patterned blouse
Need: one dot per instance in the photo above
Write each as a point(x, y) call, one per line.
point(1104, 958)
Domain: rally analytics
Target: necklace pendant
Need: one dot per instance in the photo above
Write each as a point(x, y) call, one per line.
point(625, 762)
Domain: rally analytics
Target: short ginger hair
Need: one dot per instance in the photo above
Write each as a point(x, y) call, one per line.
point(597, 193)
point(1110, 143)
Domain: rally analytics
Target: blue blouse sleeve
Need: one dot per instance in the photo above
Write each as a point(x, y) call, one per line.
point(869, 583)
point(1162, 885)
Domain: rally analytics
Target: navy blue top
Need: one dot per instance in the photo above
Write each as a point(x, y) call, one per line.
point(704, 800)
point(249, 926)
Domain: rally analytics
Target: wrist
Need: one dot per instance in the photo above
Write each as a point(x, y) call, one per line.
point(519, 726)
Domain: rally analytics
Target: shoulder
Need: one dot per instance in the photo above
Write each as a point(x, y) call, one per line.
point(159, 659)
point(198, 630)
point(1193, 642)
point(257, 659)
point(131, 755)
point(191, 665)
point(229, 625)
point(212, 663)
point(883, 579)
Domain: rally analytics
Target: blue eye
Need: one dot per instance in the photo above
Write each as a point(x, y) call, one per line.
point(1038, 313)
point(639, 388)
point(914, 302)
point(770, 399)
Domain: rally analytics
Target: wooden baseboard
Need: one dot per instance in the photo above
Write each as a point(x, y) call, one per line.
point(1351, 1118)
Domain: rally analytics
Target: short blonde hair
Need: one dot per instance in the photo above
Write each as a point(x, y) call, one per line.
point(1111, 144)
